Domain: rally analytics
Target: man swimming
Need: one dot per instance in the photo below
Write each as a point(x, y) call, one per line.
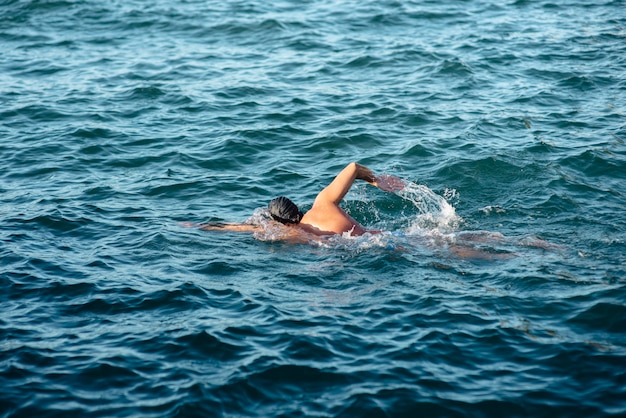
point(325, 216)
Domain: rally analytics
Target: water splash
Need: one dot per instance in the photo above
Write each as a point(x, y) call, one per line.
point(270, 230)
point(434, 212)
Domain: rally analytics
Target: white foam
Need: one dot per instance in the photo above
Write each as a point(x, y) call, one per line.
point(434, 212)
point(270, 230)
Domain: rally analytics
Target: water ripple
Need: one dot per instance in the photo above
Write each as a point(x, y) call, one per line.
point(501, 265)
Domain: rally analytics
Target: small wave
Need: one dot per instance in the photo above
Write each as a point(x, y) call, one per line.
point(204, 345)
point(148, 93)
point(602, 315)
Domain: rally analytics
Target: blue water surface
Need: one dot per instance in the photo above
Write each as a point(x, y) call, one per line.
point(497, 289)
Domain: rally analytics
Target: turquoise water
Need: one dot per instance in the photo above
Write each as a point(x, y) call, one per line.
point(120, 121)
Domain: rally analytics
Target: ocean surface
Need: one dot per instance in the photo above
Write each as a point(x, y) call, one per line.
point(497, 289)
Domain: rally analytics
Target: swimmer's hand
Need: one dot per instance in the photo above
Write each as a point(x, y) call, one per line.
point(384, 182)
point(388, 183)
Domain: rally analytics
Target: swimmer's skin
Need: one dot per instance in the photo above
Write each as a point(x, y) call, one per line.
point(231, 227)
point(326, 217)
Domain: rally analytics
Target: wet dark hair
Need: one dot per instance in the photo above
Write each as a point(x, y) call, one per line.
point(284, 211)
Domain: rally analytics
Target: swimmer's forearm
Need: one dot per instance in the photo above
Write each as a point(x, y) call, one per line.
point(212, 226)
point(364, 173)
point(221, 226)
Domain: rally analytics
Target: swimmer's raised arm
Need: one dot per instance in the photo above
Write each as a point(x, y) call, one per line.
point(337, 189)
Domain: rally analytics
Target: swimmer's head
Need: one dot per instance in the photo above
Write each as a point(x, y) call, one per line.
point(284, 211)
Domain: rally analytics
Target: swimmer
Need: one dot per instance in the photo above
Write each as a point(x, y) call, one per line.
point(325, 216)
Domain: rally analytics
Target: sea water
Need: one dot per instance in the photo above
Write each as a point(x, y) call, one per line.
point(497, 287)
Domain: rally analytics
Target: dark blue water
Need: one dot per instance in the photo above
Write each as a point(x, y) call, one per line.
point(498, 290)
